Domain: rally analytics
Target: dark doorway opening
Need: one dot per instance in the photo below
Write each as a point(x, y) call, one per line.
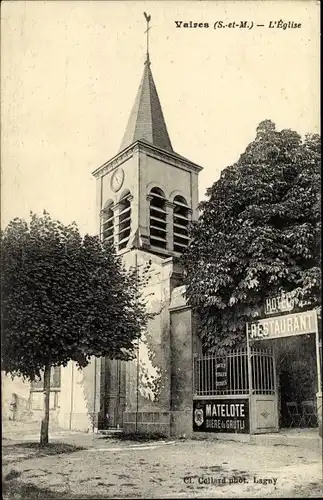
point(297, 381)
point(113, 396)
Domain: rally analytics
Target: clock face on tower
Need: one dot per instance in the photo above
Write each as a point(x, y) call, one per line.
point(117, 179)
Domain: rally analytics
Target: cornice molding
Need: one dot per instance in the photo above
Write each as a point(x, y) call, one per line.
point(168, 157)
point(115, 162)
point(151, 150)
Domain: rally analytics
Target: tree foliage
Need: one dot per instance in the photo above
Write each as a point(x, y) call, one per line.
point(258, 234)
point(64, 298)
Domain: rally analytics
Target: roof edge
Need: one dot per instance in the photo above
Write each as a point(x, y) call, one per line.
point(125, 153)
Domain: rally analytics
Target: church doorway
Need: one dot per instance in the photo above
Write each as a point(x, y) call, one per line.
point(113, 397)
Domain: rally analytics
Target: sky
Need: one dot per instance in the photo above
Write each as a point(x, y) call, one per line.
point(70, 71)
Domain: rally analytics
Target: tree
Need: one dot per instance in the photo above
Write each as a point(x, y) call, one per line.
point(258, 234)
point(64, 298)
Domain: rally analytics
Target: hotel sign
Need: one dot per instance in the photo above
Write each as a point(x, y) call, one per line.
point(283, 303)
point(283, 326)
point(221, 415)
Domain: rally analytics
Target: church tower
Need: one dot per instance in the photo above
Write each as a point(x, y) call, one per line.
point(147, 194)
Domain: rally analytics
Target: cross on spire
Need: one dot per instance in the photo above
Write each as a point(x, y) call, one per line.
point(148, 17)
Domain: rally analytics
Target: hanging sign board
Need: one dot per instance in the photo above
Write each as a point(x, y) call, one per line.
point(283, 303)
point(221, 415)
point(283, 326)
point(221, 374)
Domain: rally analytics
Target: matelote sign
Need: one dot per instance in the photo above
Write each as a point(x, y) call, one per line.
point(221, 415)
point(283, 326)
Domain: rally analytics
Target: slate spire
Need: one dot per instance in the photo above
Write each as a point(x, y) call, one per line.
point(146, 121)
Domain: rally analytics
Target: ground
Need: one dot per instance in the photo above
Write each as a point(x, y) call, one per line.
point(77, 465)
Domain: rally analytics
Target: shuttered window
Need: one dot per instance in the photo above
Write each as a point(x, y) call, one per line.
point(124, 220)
point(107, 223)
point(180, 224)
point(157, 218)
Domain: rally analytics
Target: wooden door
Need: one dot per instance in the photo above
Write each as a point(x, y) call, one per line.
point(115, 393)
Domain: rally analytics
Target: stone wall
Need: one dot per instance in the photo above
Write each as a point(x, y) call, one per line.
point(76, 401)
point(148, 376)
point(170, 415)
point(15, 398)
point(184, 343)
point(147, 422)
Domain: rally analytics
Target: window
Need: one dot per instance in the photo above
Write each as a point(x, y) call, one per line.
point(107, 222)
point(37, 400)
point(180, 224)
point(157, 218)
point(55, 380)
point(37, 391)
point(124, 223)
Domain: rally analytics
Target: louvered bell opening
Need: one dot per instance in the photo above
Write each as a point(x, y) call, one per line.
point(107, 224)
point(124, 224)
point(157, 219)
point(180, 223)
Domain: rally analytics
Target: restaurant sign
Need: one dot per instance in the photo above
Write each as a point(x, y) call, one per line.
point(221, 415)
point(283, 326)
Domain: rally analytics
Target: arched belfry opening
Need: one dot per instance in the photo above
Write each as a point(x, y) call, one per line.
point(124, 220)
point(157, 218)
point(180, 224)
point(107, 222)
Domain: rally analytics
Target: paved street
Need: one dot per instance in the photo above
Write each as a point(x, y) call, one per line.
point(91, 466)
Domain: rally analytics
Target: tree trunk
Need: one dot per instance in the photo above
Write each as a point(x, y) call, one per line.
point(45, 421)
